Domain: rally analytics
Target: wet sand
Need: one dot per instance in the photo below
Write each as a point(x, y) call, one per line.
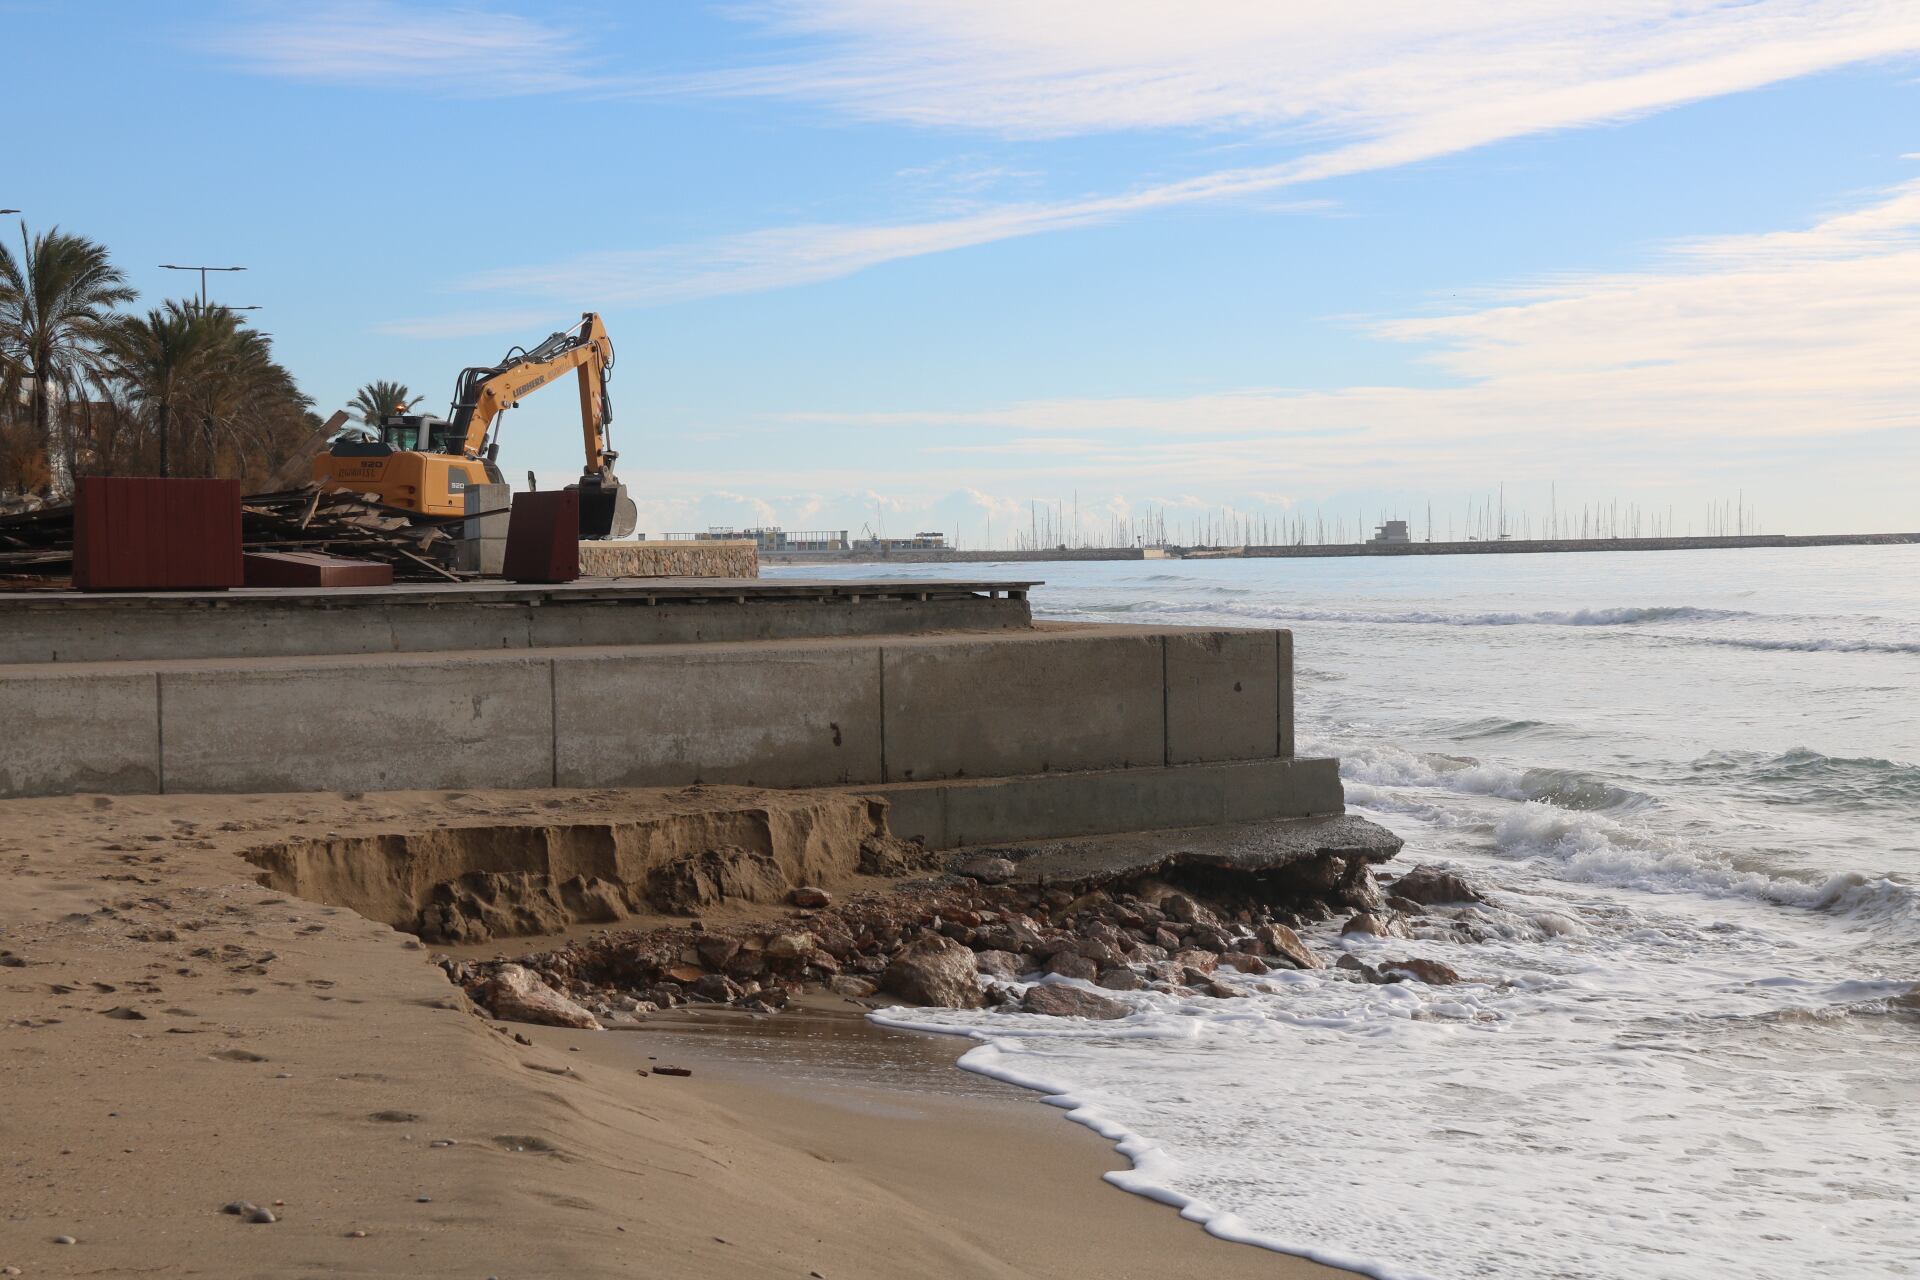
point(173, 1036)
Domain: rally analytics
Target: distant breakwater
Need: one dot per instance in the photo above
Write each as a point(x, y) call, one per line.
point(1511, 546)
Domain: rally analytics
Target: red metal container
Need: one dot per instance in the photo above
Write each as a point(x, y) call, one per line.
point(543, 537)
point(312, 569)
point(142, 533)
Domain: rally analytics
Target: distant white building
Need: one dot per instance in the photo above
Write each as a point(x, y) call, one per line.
point(1391, 531)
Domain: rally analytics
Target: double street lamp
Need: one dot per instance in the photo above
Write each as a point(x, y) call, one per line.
point(168, 266)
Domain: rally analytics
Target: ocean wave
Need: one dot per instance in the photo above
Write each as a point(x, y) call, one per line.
point(1803, 776)
point(1598, 617)
point(1824, 644)
point(1593, 848)
point(1563, 788)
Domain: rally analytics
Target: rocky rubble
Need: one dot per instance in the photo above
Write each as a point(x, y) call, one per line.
point(963, 941)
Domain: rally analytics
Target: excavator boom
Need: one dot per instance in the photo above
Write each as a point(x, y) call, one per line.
point(426, 463)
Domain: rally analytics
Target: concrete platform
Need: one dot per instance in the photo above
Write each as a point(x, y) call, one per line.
point(69, 626)
point(1253, 847)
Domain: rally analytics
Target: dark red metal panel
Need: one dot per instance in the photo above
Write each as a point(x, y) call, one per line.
point(312, 569)
point(142, 533)
point(543, 537)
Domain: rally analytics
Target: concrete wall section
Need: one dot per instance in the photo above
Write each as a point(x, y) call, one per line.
point(1058, 700)
point(959, 813)
point(772, 715)
point(331, 725)
point(1220, 695)
point(79, 731)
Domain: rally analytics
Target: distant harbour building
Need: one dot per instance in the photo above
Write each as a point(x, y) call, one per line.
point(1390, 531)
point(771, 538)
point(918, 542)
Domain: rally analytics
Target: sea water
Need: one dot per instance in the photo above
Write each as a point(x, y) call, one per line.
point(1690, 782)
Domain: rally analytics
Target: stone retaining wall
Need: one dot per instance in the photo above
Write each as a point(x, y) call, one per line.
point(730, 559)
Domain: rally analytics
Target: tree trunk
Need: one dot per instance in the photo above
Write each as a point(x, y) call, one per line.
point(53, 439)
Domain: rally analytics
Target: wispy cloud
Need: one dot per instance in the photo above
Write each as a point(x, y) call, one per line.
point(459, 50)
point(1750, 345)
point(1451, 74)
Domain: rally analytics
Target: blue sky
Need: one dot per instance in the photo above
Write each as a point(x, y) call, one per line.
point(922, 266)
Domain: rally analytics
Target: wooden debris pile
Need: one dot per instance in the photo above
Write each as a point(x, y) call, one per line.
point(36, 547)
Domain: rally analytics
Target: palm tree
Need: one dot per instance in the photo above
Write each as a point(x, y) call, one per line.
point(376, 400)
point(199, 371)
point(55, 304)
point(159, 359)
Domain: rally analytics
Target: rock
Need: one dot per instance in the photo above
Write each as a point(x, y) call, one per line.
point(1354, 964)
point(1070, 1002)
point(1071, 964)
point(1179, 906)
point(1218, 990)
point(933, 970)
point(1121, 979)
point(516, 994)
point(1381, 924)
point(1283, 943)
point(239, 1208)
point(718, 988)
point(846, 984)
point(125, 1014)
point(262, 1215)
point(1205, 961)
point(1191, 976)
point(1166, 939)
point(890, 856)
point(65, 1240)
point(717, 952)
point(789, 946)
point(810, 898)
point(987, 869)
point(1245, 963)
point(1428, 884)
point(1431, 972)
point(999, 964)
point(686, 974)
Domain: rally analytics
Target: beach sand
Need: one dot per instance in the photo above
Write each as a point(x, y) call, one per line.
point(173, 1037)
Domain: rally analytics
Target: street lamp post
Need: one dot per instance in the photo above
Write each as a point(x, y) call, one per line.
point(168, 266)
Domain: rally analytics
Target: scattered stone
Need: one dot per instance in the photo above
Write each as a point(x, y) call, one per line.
point(810, 898)
point(1381, 924)
point(518, 995)
point(262, 1215)
point(999, 964)
point(1120, 979)
point(394, 1117)
point(672, 1071)
point(356, 1235)
point(1060, 1001)
point(1069, 964)
point(1431, 972)
point(789, 946)
point(987, 869)
point(1428, 884)
point(239, 1208)
point(1245, 963)
point(1218, 990)
point(847, 984)
point(936, 971)
point(65, 1240)
point(124, 1014)
point(1283, 943)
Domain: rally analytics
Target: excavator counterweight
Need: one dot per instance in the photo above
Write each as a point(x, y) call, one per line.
point(419, 462)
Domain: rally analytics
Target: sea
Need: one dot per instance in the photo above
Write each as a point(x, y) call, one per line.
point(1689, 1048)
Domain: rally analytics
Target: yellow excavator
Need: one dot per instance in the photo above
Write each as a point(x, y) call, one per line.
point(419, 462)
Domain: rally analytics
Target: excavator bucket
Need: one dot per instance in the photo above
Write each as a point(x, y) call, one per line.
point(605, 509)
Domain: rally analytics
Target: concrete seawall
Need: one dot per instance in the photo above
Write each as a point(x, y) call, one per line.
point(1145, 717)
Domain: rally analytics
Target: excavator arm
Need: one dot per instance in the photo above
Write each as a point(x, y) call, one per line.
point(482, 393)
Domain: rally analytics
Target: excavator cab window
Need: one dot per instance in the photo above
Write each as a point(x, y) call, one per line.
point(402, 431)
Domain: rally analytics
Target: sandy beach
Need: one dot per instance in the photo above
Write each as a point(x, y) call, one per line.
point(177, 1037)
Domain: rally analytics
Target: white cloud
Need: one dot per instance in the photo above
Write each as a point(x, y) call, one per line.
point(1372, 86)
point(1439, 76)
point(1729, 349)
point(460, 51)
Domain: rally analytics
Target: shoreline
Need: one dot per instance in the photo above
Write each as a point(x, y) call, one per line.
point(179, 1037)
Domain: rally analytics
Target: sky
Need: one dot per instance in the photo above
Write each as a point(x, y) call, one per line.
point(937, 266)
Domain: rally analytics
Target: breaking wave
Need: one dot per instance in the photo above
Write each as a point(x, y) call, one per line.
point(1615, 617)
